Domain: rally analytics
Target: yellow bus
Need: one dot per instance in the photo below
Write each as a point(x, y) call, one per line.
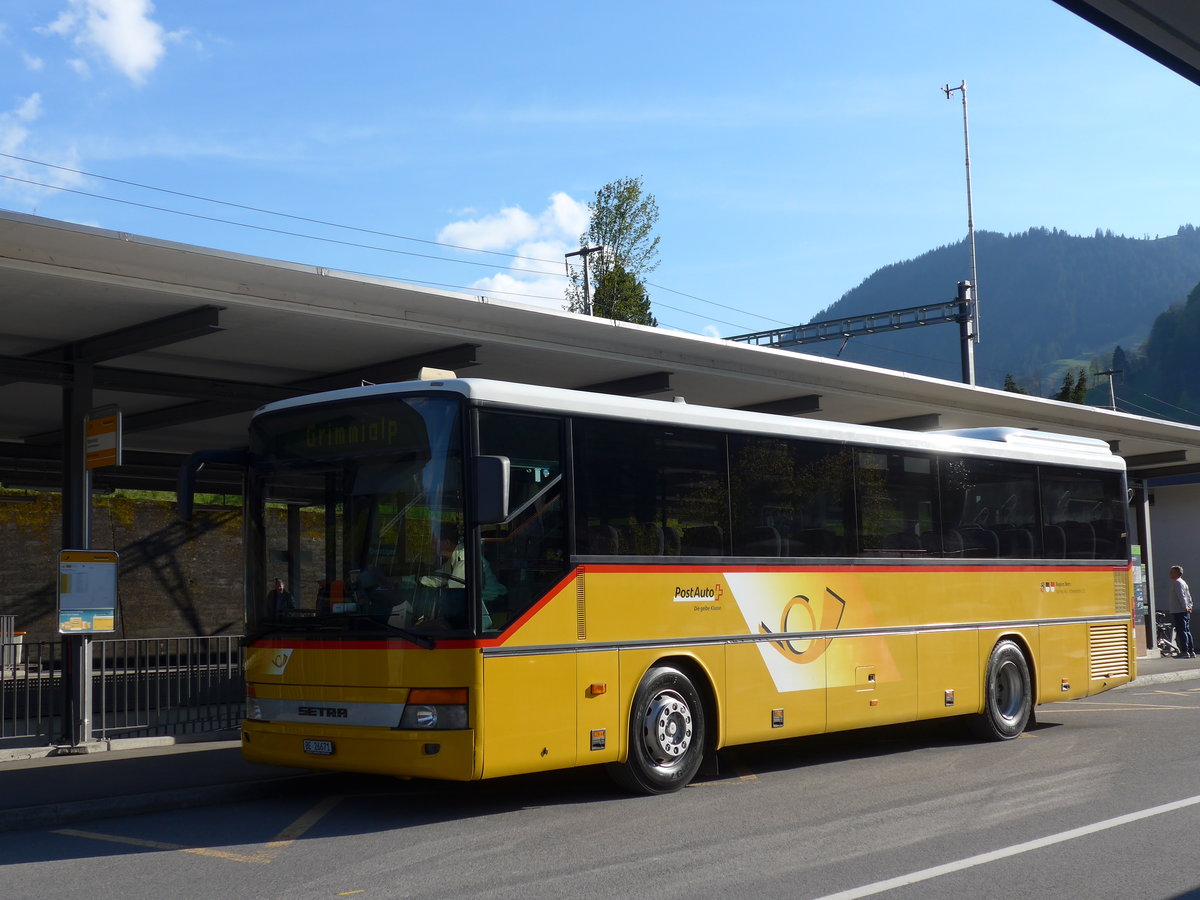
point(489, 579)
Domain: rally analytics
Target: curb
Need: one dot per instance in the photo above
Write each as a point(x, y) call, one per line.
point(1161, 678)
point(18, 754)
point(59, 814)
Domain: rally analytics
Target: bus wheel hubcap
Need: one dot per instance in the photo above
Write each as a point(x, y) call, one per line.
point(1008, 692)
point(667, 728)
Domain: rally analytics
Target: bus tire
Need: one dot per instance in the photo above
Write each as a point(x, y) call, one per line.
point(666, 734)
point(1008, 694)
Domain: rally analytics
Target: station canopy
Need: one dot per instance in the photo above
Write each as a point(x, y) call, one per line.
point(187, 342)
point(1165, 30)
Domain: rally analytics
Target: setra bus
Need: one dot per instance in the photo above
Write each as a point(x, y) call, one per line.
point(501, 578)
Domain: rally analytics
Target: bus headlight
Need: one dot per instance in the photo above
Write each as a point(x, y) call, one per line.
point(253, 710)
point(441, 708)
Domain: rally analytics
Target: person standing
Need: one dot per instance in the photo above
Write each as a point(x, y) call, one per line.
point(1180, 608)
point(280, 602)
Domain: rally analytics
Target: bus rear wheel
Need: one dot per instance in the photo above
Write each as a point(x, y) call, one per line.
point(666, 734)
point(1008, 694)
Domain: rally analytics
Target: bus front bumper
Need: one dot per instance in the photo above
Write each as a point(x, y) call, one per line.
point(446, 755)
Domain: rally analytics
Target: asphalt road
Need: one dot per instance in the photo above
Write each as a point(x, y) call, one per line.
point(1101, 799)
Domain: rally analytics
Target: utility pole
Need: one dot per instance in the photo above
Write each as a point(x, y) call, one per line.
point(585, 251)
point(947, 90)
point(1112, 394)
point(966, 330)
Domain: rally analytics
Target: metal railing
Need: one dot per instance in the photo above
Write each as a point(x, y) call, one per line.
point(140, 687)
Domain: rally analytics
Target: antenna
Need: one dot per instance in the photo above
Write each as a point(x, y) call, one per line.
point(962, 89)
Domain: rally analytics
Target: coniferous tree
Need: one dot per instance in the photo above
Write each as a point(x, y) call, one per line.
point(1010, 384)
point(1079, 392)
point(622, 225)
point(1120, 364)
point(1067, 388)
point(622, 297)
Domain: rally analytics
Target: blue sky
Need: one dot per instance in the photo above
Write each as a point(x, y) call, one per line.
point(793, 148)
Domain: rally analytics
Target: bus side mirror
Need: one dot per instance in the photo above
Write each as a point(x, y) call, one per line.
point(186, 490)
point(491, 489)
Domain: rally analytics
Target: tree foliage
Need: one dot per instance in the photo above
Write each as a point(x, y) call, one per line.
point(1161, 378)
point(1074, 387)
point(622, 224)
point(619, 295)
point(1011, 385)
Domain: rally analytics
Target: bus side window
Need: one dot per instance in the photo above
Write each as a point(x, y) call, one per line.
point(1083, 514)
point(790, 497)
point(527, 552)
point(649, 490)
point(896, 492)
point(990, 510)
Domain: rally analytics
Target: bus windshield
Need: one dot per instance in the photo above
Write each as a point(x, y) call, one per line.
point(356, 520)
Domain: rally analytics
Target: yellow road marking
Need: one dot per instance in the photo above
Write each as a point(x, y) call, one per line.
point(162, 845)
point(297, 829)
point(270, 850)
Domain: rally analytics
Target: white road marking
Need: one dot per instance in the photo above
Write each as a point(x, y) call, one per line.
point(868, 890)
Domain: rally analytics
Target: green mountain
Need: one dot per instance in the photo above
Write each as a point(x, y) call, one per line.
point(1048, 301)
point(1162, 378)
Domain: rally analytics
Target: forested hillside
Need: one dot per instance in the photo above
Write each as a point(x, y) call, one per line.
point(1162, 378)
point(1049, 300)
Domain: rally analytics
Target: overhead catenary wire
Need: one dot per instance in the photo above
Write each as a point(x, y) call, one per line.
point(343, 226)
point(524, 270)
point(358, 245)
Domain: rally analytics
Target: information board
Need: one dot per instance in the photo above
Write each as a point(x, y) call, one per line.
point(87, 591)
point(103, 438)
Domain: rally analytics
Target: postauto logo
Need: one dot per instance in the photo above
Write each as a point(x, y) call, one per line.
point(688, 593)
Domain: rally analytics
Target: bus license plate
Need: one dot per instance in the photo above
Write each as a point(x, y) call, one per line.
point(320, 748)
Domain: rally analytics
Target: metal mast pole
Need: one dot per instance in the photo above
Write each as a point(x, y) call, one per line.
point(1112, 392)
point(587, 284)
point(962, 88)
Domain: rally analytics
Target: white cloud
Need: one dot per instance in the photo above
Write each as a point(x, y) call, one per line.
point(501, 231)
point(538, 242)
point(33, 63)
point(569, 215)
point(35, 182)
point(13, 132)
point(121, 31)
point(546, 291)
point(30, 109)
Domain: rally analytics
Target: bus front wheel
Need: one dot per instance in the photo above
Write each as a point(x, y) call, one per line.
point(666, 734)
point(1008, 694)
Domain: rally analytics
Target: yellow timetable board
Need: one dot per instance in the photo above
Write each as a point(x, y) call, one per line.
point(87, 591)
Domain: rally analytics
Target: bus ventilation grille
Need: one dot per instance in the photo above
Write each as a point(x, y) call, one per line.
point(580, 606)
point(1108, 650)
point(1121, 592)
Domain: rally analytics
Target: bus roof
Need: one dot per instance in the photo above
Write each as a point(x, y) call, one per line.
point(1006, 443)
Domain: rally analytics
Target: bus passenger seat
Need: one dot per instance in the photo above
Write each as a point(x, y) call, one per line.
point(1080, 540)
point(980, 543)
point(903, 542)
point(603, 540)
point(645, 539)
point(672, 543)
point(762, 540)
point(703, 540)
point(1016, 543)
